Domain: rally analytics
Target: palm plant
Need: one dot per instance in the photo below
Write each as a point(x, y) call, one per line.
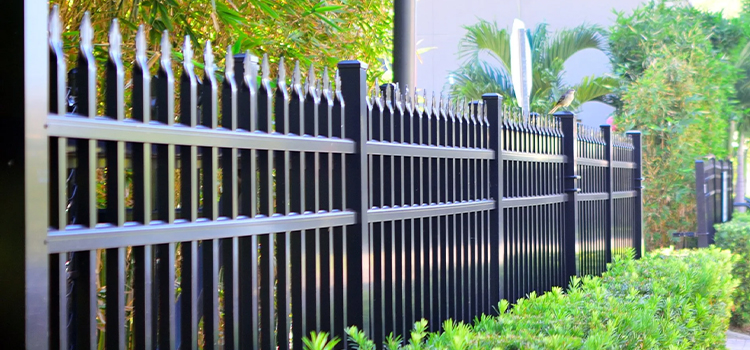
point(549, 52)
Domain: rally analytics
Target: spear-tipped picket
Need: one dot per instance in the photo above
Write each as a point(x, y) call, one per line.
point(166, 50)
point(326, 80)
point(86, 33)
point(115, 41)
point(140, 48)
point(165, 90)
point(86, 79)
point(187, 55)
point(311, 86)
point(426, 103)
point(57, 66)
point(296, 77)
point(374, 90)
point(337, 81)
point(229, 93)
point(229, 64)
point(265, 68)
point(251, 71)
point(115, 96)
point(54, 26)
point(282, 74)
point(208, 59)
point(188, 87)
point(209, 95)
point(407, 97)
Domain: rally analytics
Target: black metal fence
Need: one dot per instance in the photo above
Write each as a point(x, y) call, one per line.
point(714, 193)
point(249, 220)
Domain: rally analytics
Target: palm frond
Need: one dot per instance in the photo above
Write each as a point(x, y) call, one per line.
point(743, 85)
point(594, 88)
point(567, 42)
point(485, 37)
point(476, 78)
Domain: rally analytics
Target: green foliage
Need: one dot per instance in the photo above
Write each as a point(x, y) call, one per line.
point(677, 87)
point(549, 52)
point(667, 300)
point(311, 31)
point(358, 339)
point(735, 236)
point(319, 341)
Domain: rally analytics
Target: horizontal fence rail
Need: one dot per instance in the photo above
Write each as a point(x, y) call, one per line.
point(241, 214)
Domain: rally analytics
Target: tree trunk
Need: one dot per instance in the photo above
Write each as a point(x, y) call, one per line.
point(739, 188)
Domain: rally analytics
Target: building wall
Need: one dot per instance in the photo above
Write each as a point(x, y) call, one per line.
point(440, 24)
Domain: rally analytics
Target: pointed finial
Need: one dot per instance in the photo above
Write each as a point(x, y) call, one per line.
point(389, 92)
point(282, 70)
point(375, 88)
point(208, 58)
point(407, 96)
point(337, 81)
point(166, 49)
point(187, 55)
point(326, 80)
point(297, 76)
point(115, 40)
point(86, 33)
point(435, 102)
point(265, 67)
point(140, 45)
point(55, 28)
point(229, 63)
point(310, 82)
point(251, 69)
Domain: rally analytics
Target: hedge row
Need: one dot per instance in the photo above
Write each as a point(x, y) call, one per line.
point(735, 236)
point(670, 299)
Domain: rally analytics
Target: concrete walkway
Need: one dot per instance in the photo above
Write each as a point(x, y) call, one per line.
point(737, 341)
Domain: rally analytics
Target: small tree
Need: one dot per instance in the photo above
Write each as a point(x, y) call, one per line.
point(549, 52)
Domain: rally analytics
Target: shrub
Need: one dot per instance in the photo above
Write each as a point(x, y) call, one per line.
point(735, 236)
point(667, 300)
point(677, 87)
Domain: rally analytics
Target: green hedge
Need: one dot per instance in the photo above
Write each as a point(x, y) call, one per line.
point(670, 299)
point(735, 236)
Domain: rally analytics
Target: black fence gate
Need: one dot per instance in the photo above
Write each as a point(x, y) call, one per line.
point(250, 220)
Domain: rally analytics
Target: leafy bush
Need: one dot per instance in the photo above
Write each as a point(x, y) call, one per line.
point(667, 300)
point(677, 87)
point(735, 236)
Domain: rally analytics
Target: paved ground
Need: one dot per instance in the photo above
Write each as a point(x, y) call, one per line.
point(737, 341)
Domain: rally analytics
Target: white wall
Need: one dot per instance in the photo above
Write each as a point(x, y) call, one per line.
point(439, 24)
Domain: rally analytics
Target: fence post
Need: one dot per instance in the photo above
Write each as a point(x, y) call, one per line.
point(353, 75)
point(609, 152)
point(715, 199)
point(638, 244)
point(731, 190)
point(571, 248)
point(23, 153)
point(493, 102)
point(700, 204)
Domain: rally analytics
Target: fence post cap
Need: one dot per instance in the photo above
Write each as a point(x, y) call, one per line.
point(605, 126)
point(352, 64)
point(564, 114)
point(492, 96)
point(633, 132)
